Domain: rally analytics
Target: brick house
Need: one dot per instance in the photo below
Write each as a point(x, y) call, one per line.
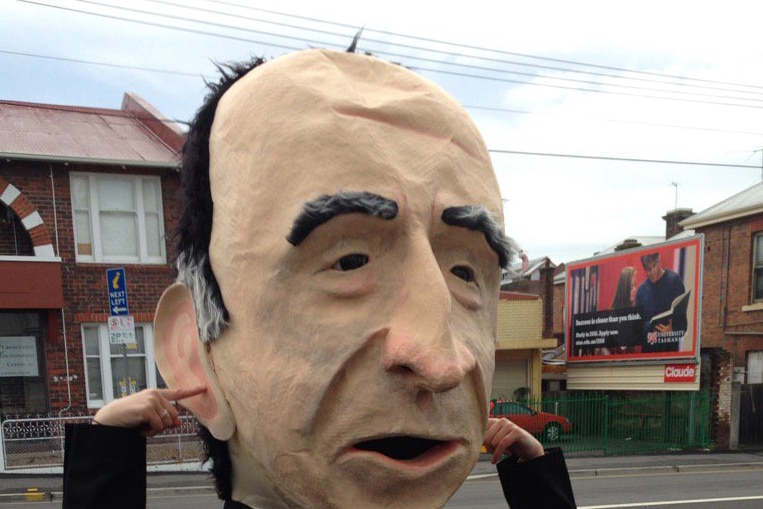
point(732, 303)
point(82, 190)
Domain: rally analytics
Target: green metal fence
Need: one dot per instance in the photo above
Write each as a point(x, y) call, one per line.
point(620, 423)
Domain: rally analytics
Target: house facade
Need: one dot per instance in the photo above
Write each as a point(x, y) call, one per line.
point(82, 191)
point(732, 309)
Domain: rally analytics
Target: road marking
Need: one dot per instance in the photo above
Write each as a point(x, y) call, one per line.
point(671, 470)
point(673, 502)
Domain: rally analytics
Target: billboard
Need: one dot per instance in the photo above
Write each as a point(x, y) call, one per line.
point(637, 305)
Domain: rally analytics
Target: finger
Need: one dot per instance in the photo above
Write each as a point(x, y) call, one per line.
point(154, 423)
point(505, 443)
point(174, 416)
point(178, 394)
point(492, 428)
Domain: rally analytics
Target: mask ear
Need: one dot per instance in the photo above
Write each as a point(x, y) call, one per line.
point(184, 361)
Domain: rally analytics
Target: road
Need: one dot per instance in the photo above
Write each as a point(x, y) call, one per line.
point(725, 488)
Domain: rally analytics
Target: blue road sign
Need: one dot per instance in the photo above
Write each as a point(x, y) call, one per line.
point(117, 285)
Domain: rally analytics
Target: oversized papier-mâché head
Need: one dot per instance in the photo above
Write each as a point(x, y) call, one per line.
point(357, 244)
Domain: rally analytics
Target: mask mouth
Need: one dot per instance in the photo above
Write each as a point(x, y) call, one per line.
point(401, 448)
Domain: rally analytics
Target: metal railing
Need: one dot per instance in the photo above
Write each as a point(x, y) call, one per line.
point(628, 423)
point(37, 442)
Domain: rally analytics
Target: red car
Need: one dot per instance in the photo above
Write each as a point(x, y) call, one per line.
point(543, 424)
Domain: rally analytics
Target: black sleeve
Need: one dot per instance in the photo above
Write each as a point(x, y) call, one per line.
point(104, 466)
point(542, 483)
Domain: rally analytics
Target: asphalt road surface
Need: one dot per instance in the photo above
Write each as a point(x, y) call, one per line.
point(725, 488)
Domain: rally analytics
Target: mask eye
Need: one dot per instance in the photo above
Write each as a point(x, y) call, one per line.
point(464, 273)
point(351, 262)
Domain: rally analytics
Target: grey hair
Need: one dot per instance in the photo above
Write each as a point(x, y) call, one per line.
point(210, 315)
point(478, 218)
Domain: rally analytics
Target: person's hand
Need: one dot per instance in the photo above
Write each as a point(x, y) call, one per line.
point(664, 327)
point(503, 435)
point(150, 409)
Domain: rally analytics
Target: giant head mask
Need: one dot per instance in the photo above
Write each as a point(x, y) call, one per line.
point(357, 242)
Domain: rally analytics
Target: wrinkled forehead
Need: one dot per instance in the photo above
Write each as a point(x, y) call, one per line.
point(325, 87)
point(317, 105)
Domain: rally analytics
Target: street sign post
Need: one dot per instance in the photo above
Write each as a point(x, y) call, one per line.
point(121, 324)
point(117, 286)
point(121, 330)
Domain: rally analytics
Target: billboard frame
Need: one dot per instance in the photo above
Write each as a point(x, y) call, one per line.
point(595, 332)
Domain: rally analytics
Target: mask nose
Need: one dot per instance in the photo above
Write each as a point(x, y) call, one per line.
point(419, 344)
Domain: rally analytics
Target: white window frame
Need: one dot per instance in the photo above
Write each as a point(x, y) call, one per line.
point(104, 358)
point(94, 225)
point(757, 244)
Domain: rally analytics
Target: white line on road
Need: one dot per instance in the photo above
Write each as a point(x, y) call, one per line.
point(673, 502)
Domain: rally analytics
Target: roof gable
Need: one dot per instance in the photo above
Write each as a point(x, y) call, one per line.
point(744, 203)
point(51, 132)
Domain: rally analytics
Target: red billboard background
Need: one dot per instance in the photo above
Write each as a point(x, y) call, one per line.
point(600, 329)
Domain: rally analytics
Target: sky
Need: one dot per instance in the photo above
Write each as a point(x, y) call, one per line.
point(600, 116)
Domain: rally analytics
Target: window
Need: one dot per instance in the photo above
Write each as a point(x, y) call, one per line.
point(117, 218)
point(115, 371)
point(757, 268)
point(754, 367)
point(22, 363)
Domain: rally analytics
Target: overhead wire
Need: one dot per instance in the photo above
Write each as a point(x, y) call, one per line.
point(623, 159)
point(451, 54)
point(270, 34)
point(399, 55)
point(683, 79)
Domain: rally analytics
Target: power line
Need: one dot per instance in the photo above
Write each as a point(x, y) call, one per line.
point(481, 48)
point(403, 56)
point(624, 159)
point(160, 25)
point(105, 64)
point(682, 84)
point(616, 121)
point(467, 106)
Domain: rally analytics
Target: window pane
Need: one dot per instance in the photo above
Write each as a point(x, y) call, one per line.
point(91, 340)
point(94, 380)
point(150, 195)
point(119, 234)
point(758, 250)
point(153, 239)
point(82, 233)
point(116, 194)
point(131, 348)
point(80, 193)
point(128, 375)
point(758, 293)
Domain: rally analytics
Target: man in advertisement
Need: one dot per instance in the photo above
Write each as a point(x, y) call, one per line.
point(663, 299)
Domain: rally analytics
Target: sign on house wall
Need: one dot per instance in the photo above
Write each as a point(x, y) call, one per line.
point(18, 356)
point(638, 305)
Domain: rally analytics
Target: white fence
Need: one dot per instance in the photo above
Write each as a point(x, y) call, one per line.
point(36, 444)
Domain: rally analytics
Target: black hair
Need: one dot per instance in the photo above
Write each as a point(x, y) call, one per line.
point(193, 236)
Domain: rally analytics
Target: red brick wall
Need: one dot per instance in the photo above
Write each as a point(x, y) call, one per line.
point(727, 288)
point(729, 330)
point(85, 283)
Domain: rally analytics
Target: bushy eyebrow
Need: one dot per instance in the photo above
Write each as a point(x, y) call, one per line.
point(477, 218)
point(326, 207)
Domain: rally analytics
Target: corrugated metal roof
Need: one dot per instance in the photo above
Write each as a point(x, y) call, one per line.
point(53, 132)
point(744, 203)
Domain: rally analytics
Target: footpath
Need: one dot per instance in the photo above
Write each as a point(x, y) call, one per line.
point(20, 487)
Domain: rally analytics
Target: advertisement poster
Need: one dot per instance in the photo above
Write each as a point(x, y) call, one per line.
point(641, 304)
